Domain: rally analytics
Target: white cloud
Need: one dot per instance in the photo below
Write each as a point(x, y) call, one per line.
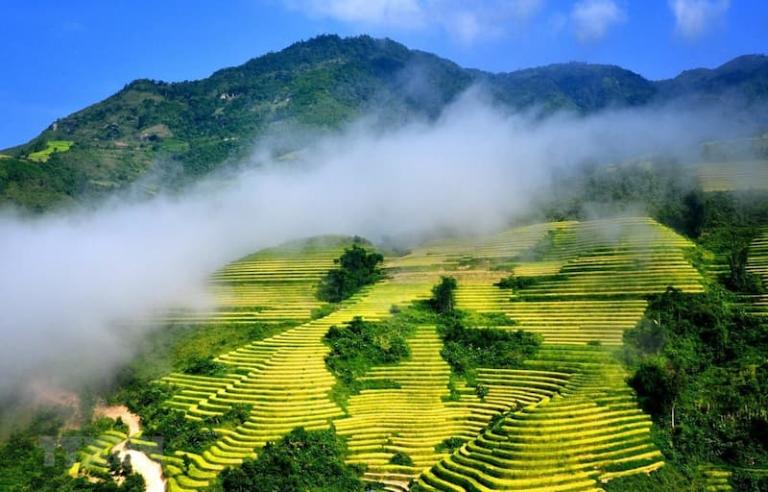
point(466, 22)
point(694, 17)
point(407, 13)
point(592, 19)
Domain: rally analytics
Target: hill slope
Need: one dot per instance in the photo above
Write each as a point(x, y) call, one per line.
point(186, 129)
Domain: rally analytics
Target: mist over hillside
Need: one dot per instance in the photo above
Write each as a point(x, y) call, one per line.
point(101, 272)
point(176, 133)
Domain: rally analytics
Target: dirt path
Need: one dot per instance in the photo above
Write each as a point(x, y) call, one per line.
point(114, 411)
point(142, 464)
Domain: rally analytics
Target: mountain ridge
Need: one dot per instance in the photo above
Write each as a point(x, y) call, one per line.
point(197, 126)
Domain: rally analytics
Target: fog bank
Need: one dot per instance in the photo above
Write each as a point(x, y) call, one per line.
point(73, 284)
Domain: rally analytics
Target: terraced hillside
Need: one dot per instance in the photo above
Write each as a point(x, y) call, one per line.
point(273, 285)
point(591, 279)
point(570, 422)
point(588, 285)
point(287, 383)
point(606, 268)
point(758, 265)
point(589, 432)
point(416, 417)
point(736, 175)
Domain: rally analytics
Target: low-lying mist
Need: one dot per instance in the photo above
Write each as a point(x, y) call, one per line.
point(75, 284)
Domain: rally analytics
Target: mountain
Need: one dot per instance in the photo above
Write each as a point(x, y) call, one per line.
point(186, 129)
point(744, 77)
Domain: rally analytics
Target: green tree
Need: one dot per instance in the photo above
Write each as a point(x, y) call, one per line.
point(357, 267)
point(444, 295)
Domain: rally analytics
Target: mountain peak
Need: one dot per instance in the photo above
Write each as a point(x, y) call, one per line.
point(323, 81)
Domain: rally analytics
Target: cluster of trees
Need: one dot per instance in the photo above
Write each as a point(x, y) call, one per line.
point(361, 345)
point(700, 370)
point(357, 267)
point(467, 347)
point(473, 340)
point(234, 416)
point(122, 470)
point(519, 282)
point(205, 366)
point(443, 299)
point(169, 424)
point(38, 186)
point(25, 466)
point(301, 461)
point(730, 222)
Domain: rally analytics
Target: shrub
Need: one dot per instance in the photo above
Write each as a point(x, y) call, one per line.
point(467, 348)
point(481, 391)
point(361, 345)
point(516, 283)
point(205, 366)
point(178, 432)
point(300, 461)
point(401, 459)
point(236, 415)
point(322, 311)
point(169, 424)
point(744, 481)
point(357, 267)
point(451, 444)
point(444, 295)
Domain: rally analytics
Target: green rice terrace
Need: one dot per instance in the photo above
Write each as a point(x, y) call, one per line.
point(563, 420)
point(50, 147)
point(532, 359)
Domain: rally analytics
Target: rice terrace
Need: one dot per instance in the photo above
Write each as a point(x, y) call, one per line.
point(349, 265)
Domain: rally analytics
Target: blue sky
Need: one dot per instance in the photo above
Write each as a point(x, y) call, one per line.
point(58, 57)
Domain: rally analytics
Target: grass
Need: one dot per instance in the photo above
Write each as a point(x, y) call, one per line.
point(177, 346)
point(51, 146)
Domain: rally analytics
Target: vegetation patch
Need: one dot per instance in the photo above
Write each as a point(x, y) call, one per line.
point(236, 415)
point(541, 249)
point(179, 346)
point(450, 445)
point(699, 369)
point(469, 341)
point(669, 478)
point(357, 267)
point(50, 147)
point(361, 345)
point(519, 282)
point(401, 459)
point(467, 348)
point(177, 432)
point(443, 299)
point(205, 366)
point(301, 461)
point(26, 466)
point(749, 481)
point(323, 311)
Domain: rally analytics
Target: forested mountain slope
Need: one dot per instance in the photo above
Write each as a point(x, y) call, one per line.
point(186, 129)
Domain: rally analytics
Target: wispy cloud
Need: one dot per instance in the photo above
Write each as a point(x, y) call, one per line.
point(466, 22)
point(694, 17)
point(592, 19)
point(401, 13)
